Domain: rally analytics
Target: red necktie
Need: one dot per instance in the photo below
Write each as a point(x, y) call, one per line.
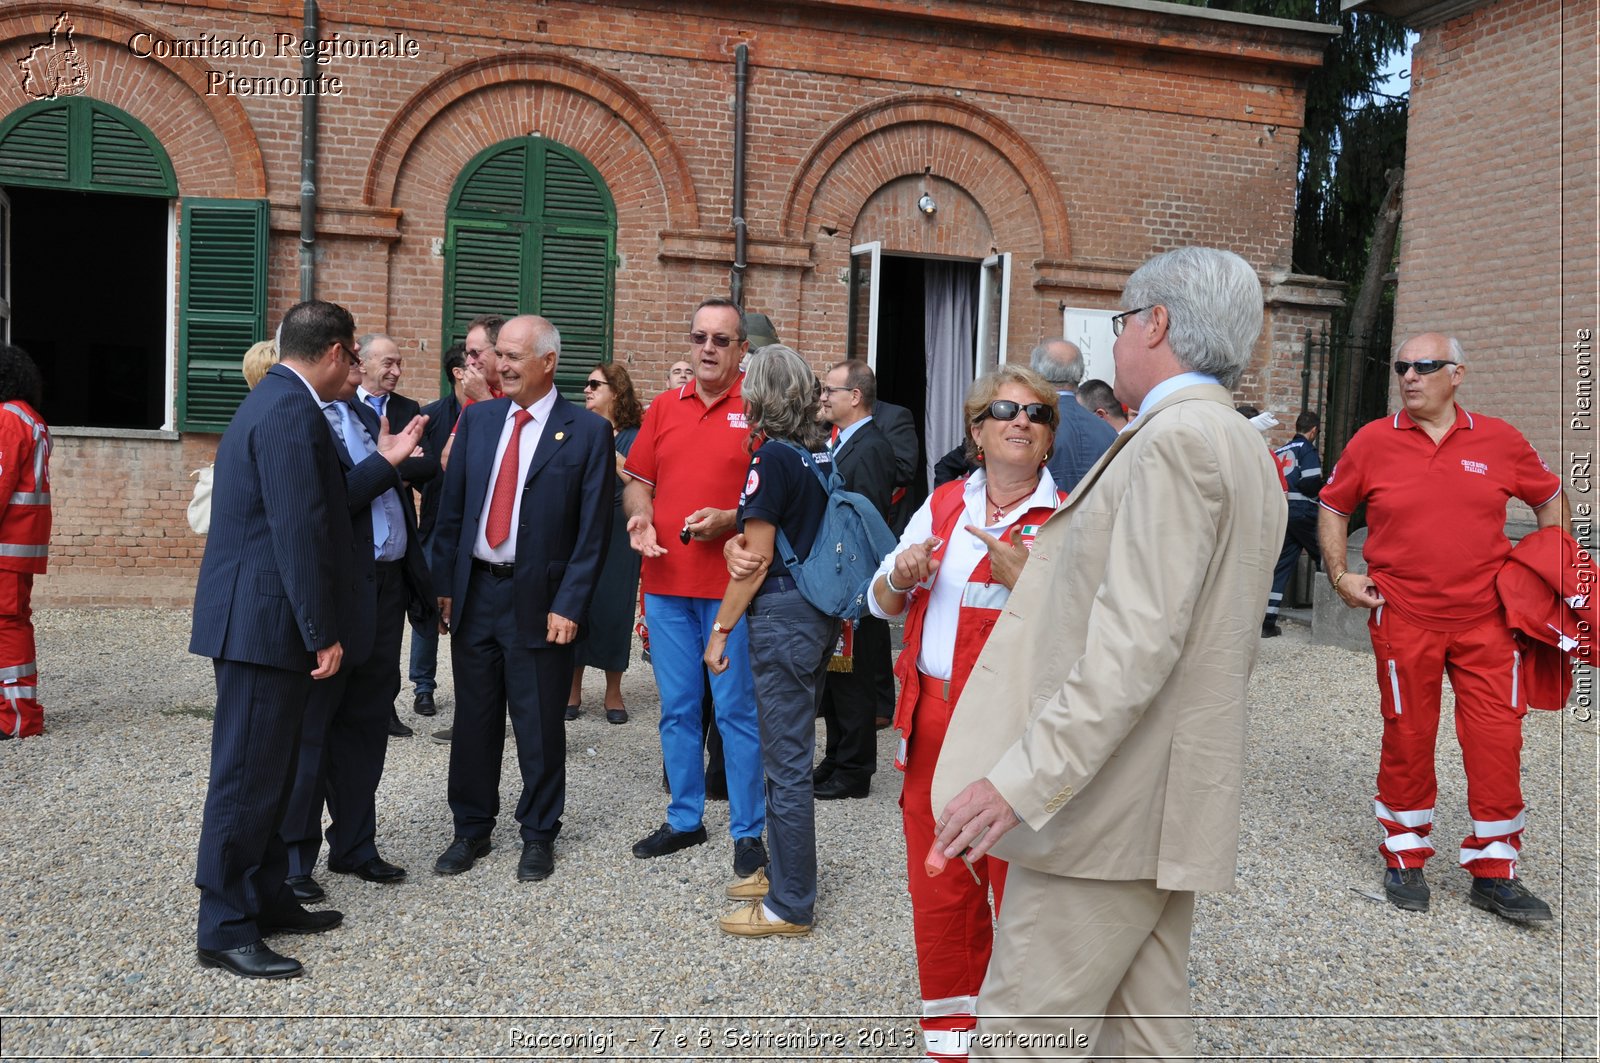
point(505, 485)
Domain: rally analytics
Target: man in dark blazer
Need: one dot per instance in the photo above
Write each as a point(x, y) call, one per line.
point(345, 735)
point(442, 416)
point(272, 603)
point(910, 482)
point(851, 701)
point(1081, 437)
point(522, 530)
point(381, 367)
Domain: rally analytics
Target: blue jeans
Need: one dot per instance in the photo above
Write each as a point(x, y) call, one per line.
point(679, 630)
point(790, 643)
point(424, 659)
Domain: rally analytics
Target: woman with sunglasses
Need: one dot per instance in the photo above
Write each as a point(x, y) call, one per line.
point(609, 392)
point(950, 576)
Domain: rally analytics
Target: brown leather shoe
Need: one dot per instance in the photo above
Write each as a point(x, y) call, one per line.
point(750, 888)
point(751, 922)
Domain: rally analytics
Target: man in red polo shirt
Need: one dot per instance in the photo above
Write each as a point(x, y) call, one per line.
point(1436, 480)
point(687, 467)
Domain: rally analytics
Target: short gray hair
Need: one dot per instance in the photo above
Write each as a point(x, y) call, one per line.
point(780, 396)
point(1214, 307)
point(1456, 353)
point(1063, 374)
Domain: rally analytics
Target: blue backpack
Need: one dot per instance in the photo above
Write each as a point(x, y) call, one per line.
point(851, 541)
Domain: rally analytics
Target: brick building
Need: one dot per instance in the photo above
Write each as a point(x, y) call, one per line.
point(1498, 240)
point(577, 159)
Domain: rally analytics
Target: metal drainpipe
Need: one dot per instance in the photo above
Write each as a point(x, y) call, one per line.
point(308, 157)
point(741, 81)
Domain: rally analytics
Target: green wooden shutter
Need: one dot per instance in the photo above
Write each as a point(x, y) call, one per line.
point(222, 306)
point(83, 144)
point(531, 229)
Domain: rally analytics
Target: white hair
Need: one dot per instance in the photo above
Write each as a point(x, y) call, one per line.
point(1214, 307)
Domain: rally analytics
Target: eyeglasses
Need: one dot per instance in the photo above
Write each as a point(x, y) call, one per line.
point(719, 340)
point(1120, 322)
point(1006, 410)
point(827, 390)
point(349, 351)
point(1423, 366)
point(593, 385)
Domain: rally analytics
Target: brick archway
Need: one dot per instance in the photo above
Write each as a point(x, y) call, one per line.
point(210, 139)
point(449, 89)
point(964, 144)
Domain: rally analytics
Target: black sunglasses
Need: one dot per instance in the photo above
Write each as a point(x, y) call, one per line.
point(591, 385)
point(1006, 410)
point(719, 340)
point(1423, 367)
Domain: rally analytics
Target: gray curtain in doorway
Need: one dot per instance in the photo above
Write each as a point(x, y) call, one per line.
point(950, 310)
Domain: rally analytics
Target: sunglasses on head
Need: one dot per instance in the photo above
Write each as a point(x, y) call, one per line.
point(1423, 367)
point(1006, 410)
point(718, 340)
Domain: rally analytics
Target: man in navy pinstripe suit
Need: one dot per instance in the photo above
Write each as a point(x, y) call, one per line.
point(273, 601)
point(523, 527)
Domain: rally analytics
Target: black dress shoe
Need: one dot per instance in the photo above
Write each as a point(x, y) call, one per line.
point(375, 870)
point(537, 863)
point(396, 728)
point(251, 961)
point(305, 889)
point(443, 737)
point(838, 788)
point(462, 854)
point(423, 704)
point(822, 772)
point(664, 840)
point(574, 711)
point(297, 920)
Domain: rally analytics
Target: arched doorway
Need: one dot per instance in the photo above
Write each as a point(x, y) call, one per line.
point(531, 228)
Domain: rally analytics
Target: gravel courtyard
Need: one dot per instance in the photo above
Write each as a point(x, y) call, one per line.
point(619, 958)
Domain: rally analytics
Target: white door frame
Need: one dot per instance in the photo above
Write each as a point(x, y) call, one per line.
point(875, 249)
point(987, 359)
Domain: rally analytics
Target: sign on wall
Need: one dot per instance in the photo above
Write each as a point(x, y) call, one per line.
point(1090, 330)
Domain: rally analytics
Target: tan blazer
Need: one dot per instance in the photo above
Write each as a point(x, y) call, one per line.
point(1108, 706)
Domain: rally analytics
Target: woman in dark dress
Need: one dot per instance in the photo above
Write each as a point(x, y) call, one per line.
point(609, 392)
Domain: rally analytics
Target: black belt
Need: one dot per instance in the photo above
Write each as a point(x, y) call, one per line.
point(497, 569)
point(775, 584)
point(387, 566)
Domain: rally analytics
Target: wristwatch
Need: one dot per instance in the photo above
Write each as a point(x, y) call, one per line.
point(716, 626)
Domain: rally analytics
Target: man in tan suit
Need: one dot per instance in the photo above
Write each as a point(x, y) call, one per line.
point(1105, 718)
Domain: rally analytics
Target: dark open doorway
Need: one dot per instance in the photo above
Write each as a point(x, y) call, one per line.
point(914, 291)
point(89, 301)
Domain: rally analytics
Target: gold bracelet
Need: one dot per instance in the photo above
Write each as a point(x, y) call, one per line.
point(1341, 576)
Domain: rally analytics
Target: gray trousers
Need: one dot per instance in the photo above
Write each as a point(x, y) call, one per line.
point(790, 643)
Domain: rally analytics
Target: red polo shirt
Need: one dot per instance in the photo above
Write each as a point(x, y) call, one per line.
point(694, 456)
point(1436, 514)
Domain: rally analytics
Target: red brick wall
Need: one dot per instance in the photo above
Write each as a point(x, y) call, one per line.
point(1081, 138)
point(1498, 236)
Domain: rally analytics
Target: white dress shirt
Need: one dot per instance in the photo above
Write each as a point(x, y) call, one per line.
point(532, 432)
point(936, 655)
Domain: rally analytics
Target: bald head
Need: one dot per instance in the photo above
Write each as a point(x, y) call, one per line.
point(1060, 362)
point(380, 364)
point(528, 348)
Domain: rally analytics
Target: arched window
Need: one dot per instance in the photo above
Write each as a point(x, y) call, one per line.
point(532, 229)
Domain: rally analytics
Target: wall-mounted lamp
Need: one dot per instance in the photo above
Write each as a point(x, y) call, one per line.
point(926, 203)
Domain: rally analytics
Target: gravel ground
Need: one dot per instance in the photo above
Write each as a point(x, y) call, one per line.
point(1303, 961)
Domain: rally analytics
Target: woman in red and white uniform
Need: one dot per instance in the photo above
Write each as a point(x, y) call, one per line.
point(24, 538)
point(950, 576)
